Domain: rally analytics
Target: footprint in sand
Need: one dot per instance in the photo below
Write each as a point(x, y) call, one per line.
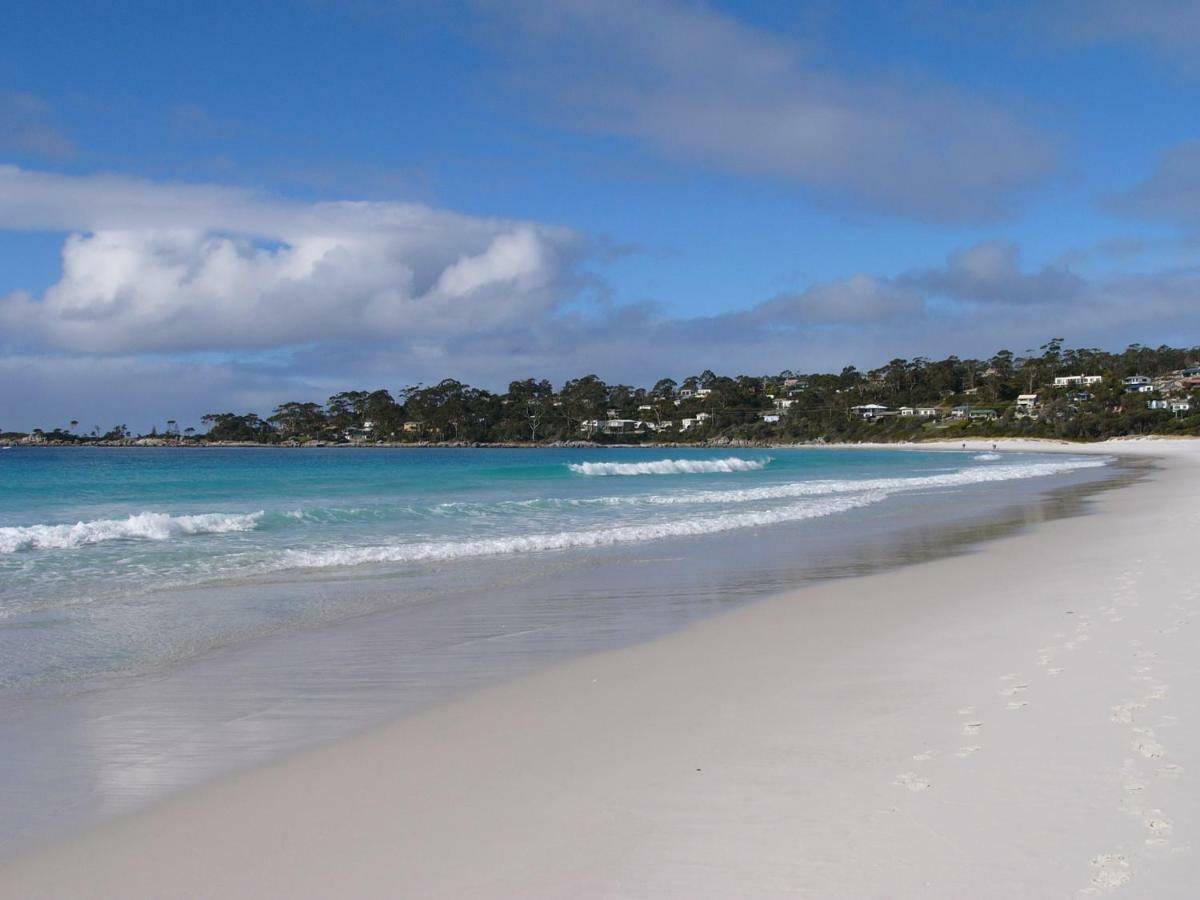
point(1169, 771)
point(1017, 704)
point(926, 756)
point(912, 781)
point(1123, 714)
point(1159, 827)
point(966, 710)
point(1014, 689)
point(1057, 671)
point(970, 728)
point(1149, 748)
point(964, 752)
point(1112, 870)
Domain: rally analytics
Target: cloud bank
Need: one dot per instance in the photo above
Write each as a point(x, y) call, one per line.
point(700, 87)
point(175, 300)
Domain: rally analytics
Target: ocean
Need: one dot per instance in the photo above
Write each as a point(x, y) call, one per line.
point(170, 614)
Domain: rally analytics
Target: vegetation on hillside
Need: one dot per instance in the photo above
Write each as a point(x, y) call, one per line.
point(788, 406)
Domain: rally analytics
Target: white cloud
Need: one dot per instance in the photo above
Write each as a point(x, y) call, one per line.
point(185, 268)
point(706, 88)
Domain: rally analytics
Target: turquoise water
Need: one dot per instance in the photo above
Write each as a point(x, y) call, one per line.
point(109, 557)
point(168, 616)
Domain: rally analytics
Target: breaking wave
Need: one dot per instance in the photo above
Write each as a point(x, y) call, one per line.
point(670, 467)
point(977, 475)
point(147, 526)
point(429, 551)
point(986, 457)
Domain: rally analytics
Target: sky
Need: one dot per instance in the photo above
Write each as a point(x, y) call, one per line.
point(221, 206)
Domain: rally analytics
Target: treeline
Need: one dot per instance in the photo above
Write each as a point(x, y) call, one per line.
point(788, 406)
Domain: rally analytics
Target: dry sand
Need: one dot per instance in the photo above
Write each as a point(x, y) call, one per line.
point(1019, 722)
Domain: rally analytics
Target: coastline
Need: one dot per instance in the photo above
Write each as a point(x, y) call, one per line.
point(984, 443)
point(799, 714)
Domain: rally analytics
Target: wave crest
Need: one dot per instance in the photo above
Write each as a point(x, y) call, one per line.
point(430, 551)
point(670, 467)
point(147, 526)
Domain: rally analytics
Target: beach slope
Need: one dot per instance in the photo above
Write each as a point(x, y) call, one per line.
point(1019, 721)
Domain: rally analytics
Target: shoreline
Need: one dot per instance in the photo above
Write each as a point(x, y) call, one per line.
point(482, 717)
point(978, 443)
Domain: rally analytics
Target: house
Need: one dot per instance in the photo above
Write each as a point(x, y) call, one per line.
point(703, 393)
point(1140, 388)
point(769, 418)
point(960, 412)
point(907, 411)
point(413, 427)
point(1157, 404)
point(1190, 372)
point(870, 410)
point(1026, 406)
point(1181, 406)
point(1071, 380)
point(1136, 381)
point(1081, 397)
point(928, 412)
point(979, 414)
point(784, 405)
point(645, 407)
point(686, 394)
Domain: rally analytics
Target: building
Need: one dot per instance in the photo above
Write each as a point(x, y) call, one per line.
point(1181, 406)
point(960, 412)
point(1157, 404)
point(770, 418)
point(1072, 380)
point(1026, 406)
point(981, 414)
point(1136, 381)
point(870, 410)
point(1146, 388)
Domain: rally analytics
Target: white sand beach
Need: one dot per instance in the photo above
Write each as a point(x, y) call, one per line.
point(1021, 721)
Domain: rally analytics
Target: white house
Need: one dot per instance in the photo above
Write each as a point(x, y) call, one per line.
point(1136, 381)
point(870, 410)
point(1069, 380)
point(1157, 404)
point(770, 418)
point(960, 412)
point(784, 405)
point(1026, 405)
point(907, 411)
point(981, 413)
point(1181, 406)
point(1140, 388)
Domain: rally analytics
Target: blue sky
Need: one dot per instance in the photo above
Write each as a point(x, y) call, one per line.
point(221, 206)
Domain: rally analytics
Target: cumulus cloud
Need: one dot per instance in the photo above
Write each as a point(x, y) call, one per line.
point(705, 88)
point(161, 282)
point(186, 268)
point(990, 272)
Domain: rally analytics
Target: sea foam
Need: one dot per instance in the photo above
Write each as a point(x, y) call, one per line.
point(670, 467)
point(148, 526)
point(959, 478)
point(431, 551)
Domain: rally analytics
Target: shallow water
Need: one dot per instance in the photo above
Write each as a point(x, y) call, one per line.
point(370, 583)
